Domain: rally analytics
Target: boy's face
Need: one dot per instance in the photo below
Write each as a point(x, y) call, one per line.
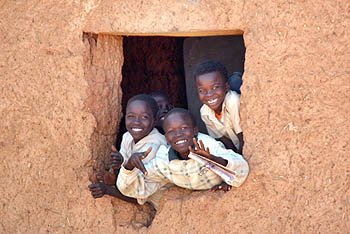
point(164, 107)
point(212, 90)
point(139, 119)
point(179, 132)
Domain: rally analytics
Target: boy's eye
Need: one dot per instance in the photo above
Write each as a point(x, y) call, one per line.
point(200, 90)
point(145, 117)
point(169, 132)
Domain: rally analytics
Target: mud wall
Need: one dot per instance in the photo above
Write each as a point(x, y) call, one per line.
point(295, 107)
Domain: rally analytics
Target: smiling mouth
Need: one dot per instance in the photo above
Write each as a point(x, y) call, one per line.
point(212, 101)
point(179, 142)
point(136, 129)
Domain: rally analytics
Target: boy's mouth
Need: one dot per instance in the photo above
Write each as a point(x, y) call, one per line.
point(212, 101)
point(180, 142)
point(136, 129)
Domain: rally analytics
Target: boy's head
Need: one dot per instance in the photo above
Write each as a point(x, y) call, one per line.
point(163, 104)
point(212, 86)
point(141, 112)
point(180, 128)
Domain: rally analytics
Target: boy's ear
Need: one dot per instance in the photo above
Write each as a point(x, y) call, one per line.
point(195, 130)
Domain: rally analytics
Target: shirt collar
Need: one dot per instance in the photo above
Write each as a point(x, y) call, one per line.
point(173, 155)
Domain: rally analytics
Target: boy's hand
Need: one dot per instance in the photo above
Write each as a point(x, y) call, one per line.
point(223, 186)
point(98, 190)
point(114, 148)
point(200, 149)
point(99, 176)
point(117, 160)
point(136, 161)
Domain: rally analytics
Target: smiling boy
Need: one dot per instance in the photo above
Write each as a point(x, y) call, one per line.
point(141, 112)
point(220, 110)
point(172, 164)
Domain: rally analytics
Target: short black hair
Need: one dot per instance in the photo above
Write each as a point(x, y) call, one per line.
point(147, 99)
point(182, 111)
point(209, 66)
point(159, 93)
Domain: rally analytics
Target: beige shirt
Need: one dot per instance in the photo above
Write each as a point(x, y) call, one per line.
point(167, 168)
point(154, 139)
point(229, 125)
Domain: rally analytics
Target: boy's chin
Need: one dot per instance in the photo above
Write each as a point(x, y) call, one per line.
point(183, 152)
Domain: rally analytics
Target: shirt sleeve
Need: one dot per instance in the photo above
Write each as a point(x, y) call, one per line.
point(135, 184)
point(235, 162)
point(123, 147)
point(233, 105)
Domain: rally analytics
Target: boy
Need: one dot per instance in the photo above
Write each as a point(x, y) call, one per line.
point(141, 112)
point(164, 106)
point(220, 110)
point(172, 164)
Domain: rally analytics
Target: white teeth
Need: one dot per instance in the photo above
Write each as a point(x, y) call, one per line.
point(212, 101)
point(136, 129)
point(180, 142)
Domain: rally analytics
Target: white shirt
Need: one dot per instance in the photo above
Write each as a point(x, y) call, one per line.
point(154, 139)
point(229, 125)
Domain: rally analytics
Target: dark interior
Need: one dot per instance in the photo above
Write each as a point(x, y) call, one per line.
point(159, 63)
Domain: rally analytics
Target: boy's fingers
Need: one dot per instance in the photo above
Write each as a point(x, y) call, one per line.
point(114, 149)
point(116, 155)
point(141, 167)
point(195, 143)
point(208, 150)
point(93, 186)
point(202, 145)
point(145, 154)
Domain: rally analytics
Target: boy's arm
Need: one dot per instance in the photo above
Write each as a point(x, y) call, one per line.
point(235, 162)
point(225, 157)
point(228, 143)
point(241, 143)
point(133, 183)
point(99, 189)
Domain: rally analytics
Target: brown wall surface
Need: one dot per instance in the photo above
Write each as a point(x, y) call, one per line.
point(294, 109)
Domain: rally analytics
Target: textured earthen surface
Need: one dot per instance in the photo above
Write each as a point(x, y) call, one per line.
point(295, 108)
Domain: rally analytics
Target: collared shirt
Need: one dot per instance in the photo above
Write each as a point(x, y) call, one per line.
point(167, 167)
point(154, 139)
point(229, 124)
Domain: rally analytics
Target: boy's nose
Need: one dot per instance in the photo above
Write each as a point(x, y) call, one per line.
point(209, 93)
point(178, 132)
point(137, 119)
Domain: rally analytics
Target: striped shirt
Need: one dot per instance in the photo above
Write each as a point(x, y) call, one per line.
point(167, 168)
